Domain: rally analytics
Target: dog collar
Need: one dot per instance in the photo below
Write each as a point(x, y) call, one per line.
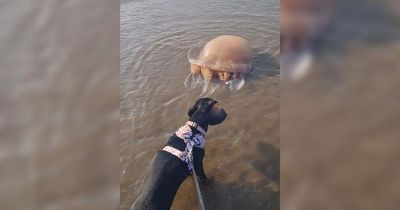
point(195, 125)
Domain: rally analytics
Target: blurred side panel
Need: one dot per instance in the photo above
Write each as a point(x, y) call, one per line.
point(59, 104)
point(340, 122)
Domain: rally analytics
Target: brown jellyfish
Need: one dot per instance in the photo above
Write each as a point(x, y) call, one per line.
point(225, 58)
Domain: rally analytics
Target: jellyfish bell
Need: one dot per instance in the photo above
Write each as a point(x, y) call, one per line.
point(225, 59)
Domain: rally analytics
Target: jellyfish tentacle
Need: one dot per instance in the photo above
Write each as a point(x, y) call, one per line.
point(205, 86)
point(189, 81)
point(197, 79)
point(228, 76)
point(207, 73)
point(194, 78)
point(237, 76)
point(224, 76)
point(237, 84)
point(215, 86)
point(195, 69)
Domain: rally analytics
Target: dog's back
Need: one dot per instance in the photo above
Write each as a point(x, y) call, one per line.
point(167, 172)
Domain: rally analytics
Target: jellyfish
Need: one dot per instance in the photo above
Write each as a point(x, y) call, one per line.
point(225, 59)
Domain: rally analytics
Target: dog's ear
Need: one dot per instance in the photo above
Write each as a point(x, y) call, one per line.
point(192, 110)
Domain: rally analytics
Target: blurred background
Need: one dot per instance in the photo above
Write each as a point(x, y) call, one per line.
point(59, 105)
point(340, 117)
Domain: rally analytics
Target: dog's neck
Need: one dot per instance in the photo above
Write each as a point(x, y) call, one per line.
point(200, 122)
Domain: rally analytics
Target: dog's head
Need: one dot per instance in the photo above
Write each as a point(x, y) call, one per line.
point(207, 110)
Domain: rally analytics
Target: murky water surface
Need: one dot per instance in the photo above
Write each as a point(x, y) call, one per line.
point(242, 153)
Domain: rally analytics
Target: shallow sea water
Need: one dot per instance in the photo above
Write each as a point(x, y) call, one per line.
point(242, 153)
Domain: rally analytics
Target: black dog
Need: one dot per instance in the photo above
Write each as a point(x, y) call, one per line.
point(171, 166)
